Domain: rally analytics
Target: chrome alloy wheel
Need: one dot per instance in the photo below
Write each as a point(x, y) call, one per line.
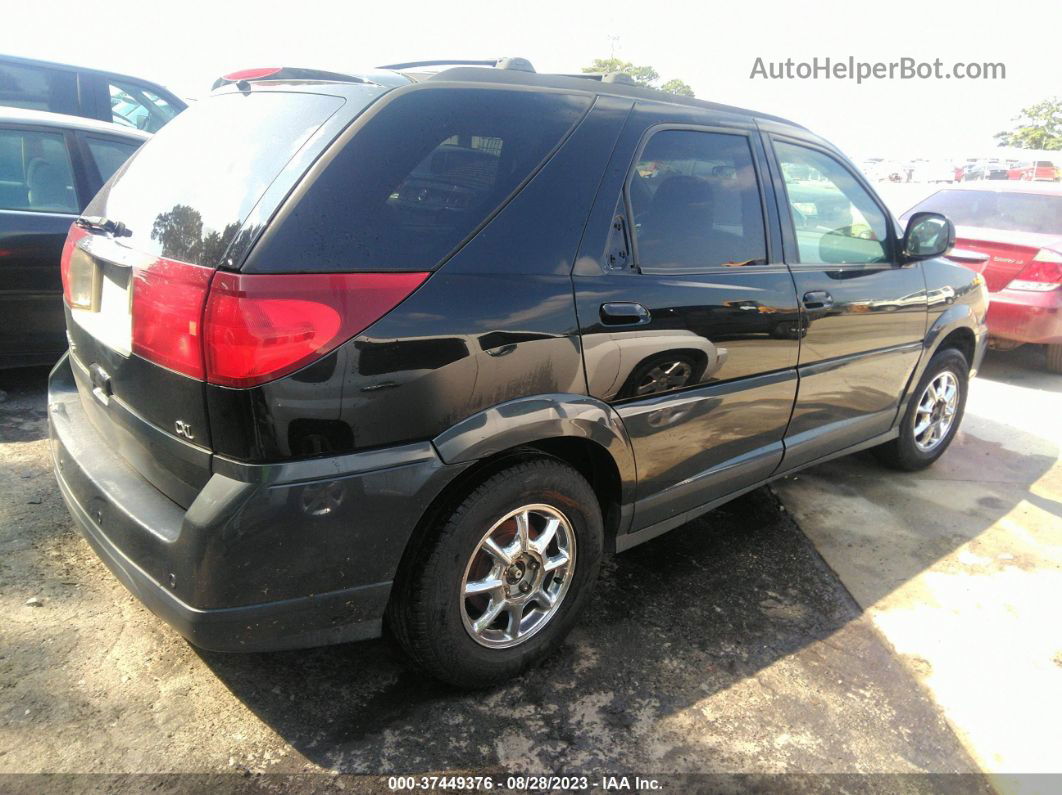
point(518, 575)
point(935, 412)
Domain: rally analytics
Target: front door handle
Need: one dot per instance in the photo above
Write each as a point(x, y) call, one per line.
point(624, 313)
point(818, 299)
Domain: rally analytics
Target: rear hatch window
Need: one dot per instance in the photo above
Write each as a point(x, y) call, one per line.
point(1007, 210)
point(185, 195)
point(418, 179)
point(1010, 227)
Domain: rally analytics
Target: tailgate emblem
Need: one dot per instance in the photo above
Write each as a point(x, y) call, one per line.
point(184, 429)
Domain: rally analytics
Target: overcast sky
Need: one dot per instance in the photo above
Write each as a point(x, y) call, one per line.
point(712, 46)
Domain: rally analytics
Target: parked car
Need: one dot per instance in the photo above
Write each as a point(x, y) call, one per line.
point(327, 366)
point(50, 166)
point(1034, 171)
point(91, 93)
point(1011, 233)
point(987, 170)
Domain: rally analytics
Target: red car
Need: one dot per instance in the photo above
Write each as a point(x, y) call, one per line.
point(1011, 233)
point(1036, 171)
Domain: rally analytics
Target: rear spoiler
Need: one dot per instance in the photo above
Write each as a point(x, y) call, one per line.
point(967, 257)
point(284, 73)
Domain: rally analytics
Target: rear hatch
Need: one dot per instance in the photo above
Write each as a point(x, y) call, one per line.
point(137, 268)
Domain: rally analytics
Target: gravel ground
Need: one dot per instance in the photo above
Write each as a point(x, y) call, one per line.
point(727, 646)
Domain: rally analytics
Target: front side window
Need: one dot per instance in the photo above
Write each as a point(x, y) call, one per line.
point(139, 107)
point(35, 172)
point(835, 219)
point(696, 203)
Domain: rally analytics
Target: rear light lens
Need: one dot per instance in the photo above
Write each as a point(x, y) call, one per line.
point(76, 270)
point(240, 330)
point(1041, 275)
point(167, 309)
point(262, 327)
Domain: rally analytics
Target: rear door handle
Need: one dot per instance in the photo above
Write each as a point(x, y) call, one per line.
point(624, 313)
point(818, 299)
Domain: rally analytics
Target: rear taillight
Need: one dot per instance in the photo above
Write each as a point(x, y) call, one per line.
point(262, 326)
point(242, 330)
point(1041, 275)
point(76, 269)
point(167, 308)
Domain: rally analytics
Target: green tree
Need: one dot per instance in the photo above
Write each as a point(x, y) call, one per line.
point(1038, 126)
point(642, 75)
point(676, 86)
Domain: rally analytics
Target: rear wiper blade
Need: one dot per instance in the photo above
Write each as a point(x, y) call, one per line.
point(100, 224)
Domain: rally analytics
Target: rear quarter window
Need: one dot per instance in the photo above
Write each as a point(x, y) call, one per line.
point(109, 154)
point(418, 179)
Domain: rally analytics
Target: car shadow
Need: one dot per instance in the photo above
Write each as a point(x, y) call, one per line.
point(1025, 366)
point(678, 622)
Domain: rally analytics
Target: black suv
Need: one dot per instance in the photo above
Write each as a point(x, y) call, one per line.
point(413, 350)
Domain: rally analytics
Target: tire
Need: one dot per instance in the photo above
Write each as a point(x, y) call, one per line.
point(435, 623)
point(1054, 358)
point(909, 452)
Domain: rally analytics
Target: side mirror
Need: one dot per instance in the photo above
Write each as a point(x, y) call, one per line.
point(928, 235)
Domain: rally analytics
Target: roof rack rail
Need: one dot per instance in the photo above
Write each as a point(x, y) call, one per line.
point(516, 64)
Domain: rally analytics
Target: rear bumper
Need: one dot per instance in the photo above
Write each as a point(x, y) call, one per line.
point(270, 557)
point(1026, 316)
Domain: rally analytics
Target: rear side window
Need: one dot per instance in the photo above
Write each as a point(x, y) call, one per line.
point(187, 191)
point(35, 172)
point(139, 107)
point(418, 179)
point(696, 203)
point(38, 88)
point(108, 154)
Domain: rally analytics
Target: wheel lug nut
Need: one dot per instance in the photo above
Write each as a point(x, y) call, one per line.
point(525, 587)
